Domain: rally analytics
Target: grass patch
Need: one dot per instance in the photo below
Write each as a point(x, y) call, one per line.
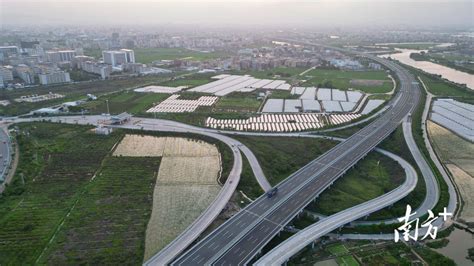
point(441, 88)
point(433, 258)
point(191, 81)
point(126, 101)
point(347, 261)
point(108, 223)
point(248, 183)
point(337, 249)
point(274, 73)
point(341, 79)
point(56, 163)
point(281, 156)
point(373, 176)
point(414, 45)
point(238, 102)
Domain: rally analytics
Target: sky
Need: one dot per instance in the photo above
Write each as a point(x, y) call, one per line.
point(308, 13)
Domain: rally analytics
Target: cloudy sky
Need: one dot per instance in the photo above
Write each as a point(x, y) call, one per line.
point(313, 13)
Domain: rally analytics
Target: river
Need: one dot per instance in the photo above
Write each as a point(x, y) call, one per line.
point(430, 67)
point(459, 242)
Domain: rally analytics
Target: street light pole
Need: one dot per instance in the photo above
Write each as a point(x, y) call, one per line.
point(107, 102)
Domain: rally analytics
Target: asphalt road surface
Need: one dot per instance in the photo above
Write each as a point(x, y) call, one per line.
point(240, 238)
point(5, 153)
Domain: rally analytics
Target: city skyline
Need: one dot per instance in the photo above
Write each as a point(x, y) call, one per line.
point(345, 13)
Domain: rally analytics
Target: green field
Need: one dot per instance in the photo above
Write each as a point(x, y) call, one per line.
point(337, 249)
point(127, 101)
point(347, 261)
point(148, 55)
point(238, 102)
point(191, 81)
point(442, 88)
point(341, 79)
point(108, 222)
point(416, 46)
point(373, 176)
point(281, 156)
point(56, 164)
point(275, 73)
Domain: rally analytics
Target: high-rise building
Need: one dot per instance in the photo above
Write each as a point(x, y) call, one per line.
point(60, 56)
point(54, 78)
point(8, 50)
point(103, 70)
point(25, 73)
point(116, 58)
point(6, 73)
point(130, 54)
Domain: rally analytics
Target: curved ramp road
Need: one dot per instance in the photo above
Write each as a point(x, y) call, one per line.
point(246, 233)
point(291, 246)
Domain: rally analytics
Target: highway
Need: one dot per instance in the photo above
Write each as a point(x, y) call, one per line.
point(285, 250)
point(238, 240)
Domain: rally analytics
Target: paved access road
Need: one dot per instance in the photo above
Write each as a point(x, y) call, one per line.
point(238, 240)
point(5, 152)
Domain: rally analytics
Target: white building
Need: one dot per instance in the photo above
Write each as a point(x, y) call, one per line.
point(54, 78)
point(25, 73)
point(130, 54)
point(60, 56)
point(8, 50)
point(103, 70)
point(116, 58)
point(6, 73)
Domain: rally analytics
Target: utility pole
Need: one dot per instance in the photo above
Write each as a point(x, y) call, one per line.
point(108, 111)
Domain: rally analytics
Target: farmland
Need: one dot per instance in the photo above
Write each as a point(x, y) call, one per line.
point(442, 88)
point(125, 101)
point(355, 252)
point(451, 148)
point(341, 79)
point(238, 102)
point(186, 183)
point(56, 164)
point(457, 154)
point(113, 208)
point(276, 73)
point(72, 203)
